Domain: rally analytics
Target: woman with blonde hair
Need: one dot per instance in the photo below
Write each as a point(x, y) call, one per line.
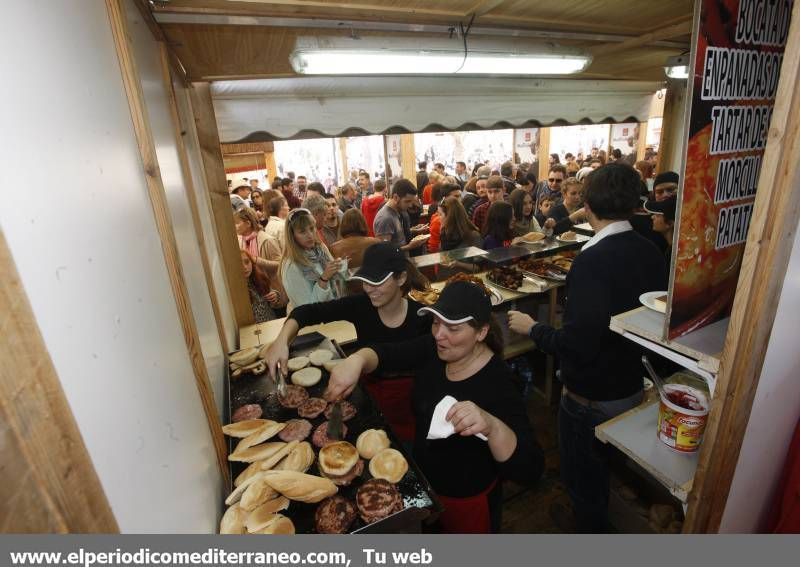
point(308, 271)
point(263, 299)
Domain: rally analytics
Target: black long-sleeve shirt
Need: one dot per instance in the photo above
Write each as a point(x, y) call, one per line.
point(605, 280)
point(461, 466)
point(359, 311)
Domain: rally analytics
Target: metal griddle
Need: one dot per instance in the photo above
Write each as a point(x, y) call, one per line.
point(419, 500)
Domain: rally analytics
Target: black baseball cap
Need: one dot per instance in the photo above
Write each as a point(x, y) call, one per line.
point(666, 207)
point(459, 302)
point(381, 260)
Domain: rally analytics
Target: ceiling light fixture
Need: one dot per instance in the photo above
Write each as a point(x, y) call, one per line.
point(677, 67)
point(432, 56)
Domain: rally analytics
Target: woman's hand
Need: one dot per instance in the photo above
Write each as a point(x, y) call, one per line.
point(469, 419)
point(273, 298)
point(519, 322)
point(549, 223)
point(331, 269)
point(578, 216)
point(344, 378)
point(277, 353)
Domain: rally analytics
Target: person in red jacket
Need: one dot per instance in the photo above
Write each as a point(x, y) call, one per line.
point(372, 204)
point(446, 190)
point(434, 178)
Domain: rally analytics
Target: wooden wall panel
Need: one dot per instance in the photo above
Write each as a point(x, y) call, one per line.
point(47, 480)
point(155, 186)
point(211, 154)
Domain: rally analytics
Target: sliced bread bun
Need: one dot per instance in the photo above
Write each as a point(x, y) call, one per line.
point(320, 357)
point(275, 458)
point(300, 486)
point(242, 429)
point(299, 459)
point(389, 464)
point(296, 363)
point(233, 520)
point(268, 431)
point(259, 518)
point(256, 494)
point(257, 453)
point(371, 441)
point(279, 525)
point(307, 377)
point(336, 459)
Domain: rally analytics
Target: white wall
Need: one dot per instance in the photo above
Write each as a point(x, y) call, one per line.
point(776, 409)
point(146, 53)
point(90, 259)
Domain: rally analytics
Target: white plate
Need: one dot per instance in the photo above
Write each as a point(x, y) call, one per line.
point(573, 241)
point(420, 237)
point(648, 300)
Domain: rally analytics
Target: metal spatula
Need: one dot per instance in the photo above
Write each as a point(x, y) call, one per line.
point(335, 422)
point(281, 381)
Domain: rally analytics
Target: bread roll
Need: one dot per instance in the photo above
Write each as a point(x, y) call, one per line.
point(236, 495)
point(275, 458)
point(256, 494)
point(252, 468)
point(257, 453)
point(533, 236)
point(269, 430)
point(336, 459)
point(371, 441)
point(279, 525)
point(331, 363)
point(307, 377)
point(263, 515)
point(299, 459)
point(320, 357)
point(299, 486)
point(296, 363)
point(242, 429)
point(233, 520)
point(389, 464)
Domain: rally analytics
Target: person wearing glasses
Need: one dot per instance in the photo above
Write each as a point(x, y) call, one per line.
point(309, 272)
point(552, 186)
point(382, 314)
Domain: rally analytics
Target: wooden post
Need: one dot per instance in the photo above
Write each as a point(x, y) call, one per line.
point(211, 155)
point(641, 143)
point(343, 156)
point(191, 194)
point(670, 122)
point(272, 169)
point(47, 481)
point(158, 199)
point(766, 256)
point(408, 158)
point(544, 152)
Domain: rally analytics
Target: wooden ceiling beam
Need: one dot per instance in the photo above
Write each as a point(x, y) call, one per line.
point(681, 28)
point(483, 7)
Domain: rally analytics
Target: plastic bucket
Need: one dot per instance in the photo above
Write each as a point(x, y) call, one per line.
point(682, 417)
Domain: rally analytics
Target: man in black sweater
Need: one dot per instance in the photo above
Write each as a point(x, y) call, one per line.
point(601, 371)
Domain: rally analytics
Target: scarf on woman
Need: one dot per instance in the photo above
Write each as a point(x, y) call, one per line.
point(318, 258)
point(250, 243)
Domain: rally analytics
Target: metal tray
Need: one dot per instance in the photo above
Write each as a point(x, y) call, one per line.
point(419, 500)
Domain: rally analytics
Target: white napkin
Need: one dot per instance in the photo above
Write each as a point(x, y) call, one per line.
point(441, 428)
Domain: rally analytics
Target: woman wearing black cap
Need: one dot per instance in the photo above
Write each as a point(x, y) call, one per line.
point(663, 214)
point(382, 314)
point(461, 358)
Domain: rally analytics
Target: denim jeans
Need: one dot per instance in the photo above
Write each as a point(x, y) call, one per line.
point(584, 459)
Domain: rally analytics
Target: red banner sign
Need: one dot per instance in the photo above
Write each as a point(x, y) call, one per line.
point(737, 61)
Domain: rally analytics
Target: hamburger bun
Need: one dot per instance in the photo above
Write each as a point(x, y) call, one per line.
point(306, 377)
point(259, 518)
point(297, 363)
point(336, 459)
point(389, 464)
point(233, 520)
point(533, 237)
point(320, 357)
point(371, 441)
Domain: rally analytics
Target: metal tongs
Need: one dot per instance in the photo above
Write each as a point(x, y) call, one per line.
point(281, 381)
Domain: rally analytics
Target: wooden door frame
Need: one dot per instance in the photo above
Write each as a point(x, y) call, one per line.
point(766, 257)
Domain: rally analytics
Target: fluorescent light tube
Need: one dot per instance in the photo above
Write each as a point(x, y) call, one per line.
point(366, 57)
point(677, 67)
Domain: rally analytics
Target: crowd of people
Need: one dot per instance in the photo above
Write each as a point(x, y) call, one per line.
point(318, 257)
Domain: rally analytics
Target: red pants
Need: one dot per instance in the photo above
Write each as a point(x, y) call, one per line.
point(468, 515)
point(393, 396)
